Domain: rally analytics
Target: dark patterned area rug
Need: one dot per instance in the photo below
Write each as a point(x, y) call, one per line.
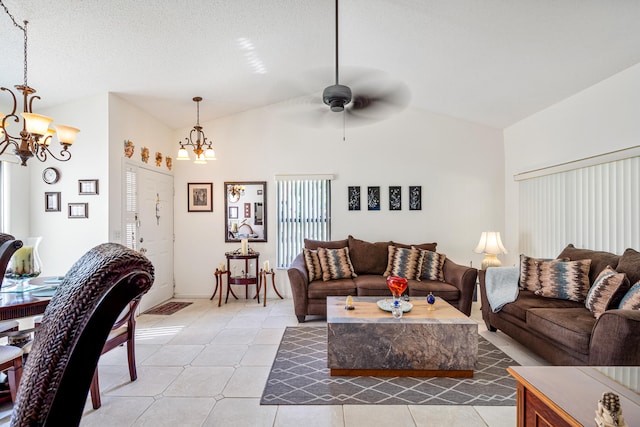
point(299, 376)
point(167, 308)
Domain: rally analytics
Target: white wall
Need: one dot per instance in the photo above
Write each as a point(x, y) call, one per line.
point(64, 239)
point(600, 119)
point(458, 164)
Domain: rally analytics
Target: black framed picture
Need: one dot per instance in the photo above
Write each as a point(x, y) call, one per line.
point(415, 198)
point(395, 198)
point(373, 198)
point(88, 186)
point(354, 198)
point(78, 210)
point(200, 196)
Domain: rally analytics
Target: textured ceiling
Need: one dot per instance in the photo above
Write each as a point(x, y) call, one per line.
point(492, 61)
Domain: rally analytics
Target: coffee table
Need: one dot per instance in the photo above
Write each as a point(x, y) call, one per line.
point(368, 341)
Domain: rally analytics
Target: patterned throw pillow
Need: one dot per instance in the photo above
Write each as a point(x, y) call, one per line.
point(530, 272)
point(405, 262)
point(606, 291)
point(631, 301)
point(313, 264)
point(564, 280)
point(335, 264)
point(432, 266)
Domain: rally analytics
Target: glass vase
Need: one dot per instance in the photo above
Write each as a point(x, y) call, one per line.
point(25, 264)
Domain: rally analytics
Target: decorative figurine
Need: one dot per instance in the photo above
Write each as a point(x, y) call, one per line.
point(609, 412)
point(348, 305)
point(129, 148)
point(158, 158)
point(144, 154)
point(169, 161)
point(431, 300)
point(396, 309)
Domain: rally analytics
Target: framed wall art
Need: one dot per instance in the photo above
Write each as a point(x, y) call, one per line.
point(373, 198)
point(87, 186)
point(200, 195)
point(233, 212)
point(52, 202)
point(415, 198)
point(78, 210)
point(354, 198)
point(395, 198)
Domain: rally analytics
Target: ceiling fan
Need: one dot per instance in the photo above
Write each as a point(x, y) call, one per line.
point(370, 96)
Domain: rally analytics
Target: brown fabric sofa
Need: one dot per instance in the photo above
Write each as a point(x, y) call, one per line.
point(369, 262)
point(565, 332)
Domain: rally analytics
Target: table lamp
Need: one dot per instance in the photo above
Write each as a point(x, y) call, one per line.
point(491, 245)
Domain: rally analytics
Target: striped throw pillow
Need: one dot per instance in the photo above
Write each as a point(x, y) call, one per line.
point(631, 301)
point(335, 264)
point(568, 280)
point(312, 261)
point(432, 266)
point(609, 287)
point(405, 262)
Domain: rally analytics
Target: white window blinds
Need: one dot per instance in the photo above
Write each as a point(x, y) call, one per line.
point(595, 207)
point(304, 211)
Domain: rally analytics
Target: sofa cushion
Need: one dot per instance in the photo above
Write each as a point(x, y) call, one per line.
point(630, 265)
point(404, 262)
point(569, 327)
point(607, 291)
point(312, 261)
point(372, 285)
point(335, 264)
point(441, 289)
point(564, 279)
point(321, 290)
point(425, 246)
point(599, 259)
point(333, 244)
point(631, 300)
point(368, 258)
point(527, 300)
point(432, 266)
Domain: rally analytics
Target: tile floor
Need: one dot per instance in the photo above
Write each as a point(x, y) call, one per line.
point(207, 365)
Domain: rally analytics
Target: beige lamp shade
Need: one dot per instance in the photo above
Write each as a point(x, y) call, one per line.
point(182, 154)
point(200, 160)
point(66, 134)
point(36, 124)
point(209, 154)
point(491, 245)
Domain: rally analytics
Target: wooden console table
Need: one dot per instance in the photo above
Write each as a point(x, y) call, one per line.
point(559, 396)
point(245, 279)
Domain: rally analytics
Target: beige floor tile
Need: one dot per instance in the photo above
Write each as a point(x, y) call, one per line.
point(173, 355)
point(269, 336)
point(197, 335)
point(176, 411)
point(233, 335)
point(497, 416)
point(377, 415)
point(247, 381)
point(201, 381)
point(152, 381)
point(221, 355)
point(445, 416)
point(115, 411)
point(241, 413)
point(309, 416)
point(259, 355)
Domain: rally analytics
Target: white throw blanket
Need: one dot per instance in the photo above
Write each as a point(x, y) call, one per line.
point(501, 284)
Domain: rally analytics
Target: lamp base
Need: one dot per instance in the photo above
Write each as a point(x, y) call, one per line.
point(490, 260)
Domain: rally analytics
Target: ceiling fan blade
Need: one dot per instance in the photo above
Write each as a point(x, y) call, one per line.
point(380, 103)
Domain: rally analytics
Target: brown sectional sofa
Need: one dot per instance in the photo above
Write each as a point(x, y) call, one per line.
point(565, 332)
point(369, 262)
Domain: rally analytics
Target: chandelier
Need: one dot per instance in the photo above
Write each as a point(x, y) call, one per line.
point(201, 147)
point(235, 191)
point(34, 140)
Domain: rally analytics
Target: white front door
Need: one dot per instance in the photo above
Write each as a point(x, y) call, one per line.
point(149, 227)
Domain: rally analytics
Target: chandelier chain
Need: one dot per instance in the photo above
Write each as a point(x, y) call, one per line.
point(24, 30)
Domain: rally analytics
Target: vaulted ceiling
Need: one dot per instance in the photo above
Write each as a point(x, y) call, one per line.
point(492, 62)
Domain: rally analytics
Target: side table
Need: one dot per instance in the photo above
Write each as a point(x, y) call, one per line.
point(219, 273)
point(245, 278)
point(263, 281)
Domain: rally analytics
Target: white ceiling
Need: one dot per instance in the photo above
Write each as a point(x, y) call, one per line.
point(493, 62)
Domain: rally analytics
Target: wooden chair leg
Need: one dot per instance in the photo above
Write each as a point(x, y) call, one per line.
point(131, 357)
point(95, 391)
point(14, 374)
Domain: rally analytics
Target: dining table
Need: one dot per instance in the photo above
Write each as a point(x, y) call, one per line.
point(29, 299)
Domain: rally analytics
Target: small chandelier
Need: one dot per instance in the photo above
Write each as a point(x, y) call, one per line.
point(235, 191)
point(35, 137)
point(202, 146)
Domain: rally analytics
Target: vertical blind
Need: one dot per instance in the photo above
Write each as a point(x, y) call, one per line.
point(131, 208)
point(304, 212)
point(595, 207)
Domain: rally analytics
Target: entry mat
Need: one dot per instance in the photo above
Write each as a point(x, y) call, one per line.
point(167, 308)
point(299, 376)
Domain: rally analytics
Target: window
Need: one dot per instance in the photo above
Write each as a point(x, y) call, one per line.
point(304, 212)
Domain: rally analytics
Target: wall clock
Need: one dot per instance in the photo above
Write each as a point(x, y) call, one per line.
point(50, 175)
